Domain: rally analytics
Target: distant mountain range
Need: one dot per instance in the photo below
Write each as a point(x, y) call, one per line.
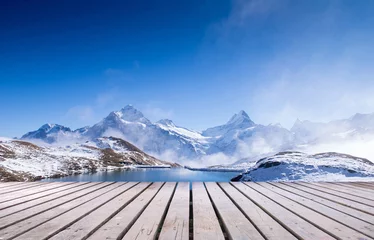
point(240, 137)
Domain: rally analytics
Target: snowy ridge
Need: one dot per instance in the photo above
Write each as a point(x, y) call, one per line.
point(298, 166)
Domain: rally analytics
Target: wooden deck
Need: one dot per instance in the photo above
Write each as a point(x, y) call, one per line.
point(131, 210)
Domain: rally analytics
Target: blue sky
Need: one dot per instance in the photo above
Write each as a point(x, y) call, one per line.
point(196, 62)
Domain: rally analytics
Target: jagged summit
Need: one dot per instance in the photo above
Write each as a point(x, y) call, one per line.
point(48, 132)
point(238, 118)
point(131, 114)
point(166, 122)
point(51, 126)
point(127, 114)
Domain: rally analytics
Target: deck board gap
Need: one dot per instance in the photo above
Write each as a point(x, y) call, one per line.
point(241, 210)
point(165, 212)
point(221, 224)
point(123, 233)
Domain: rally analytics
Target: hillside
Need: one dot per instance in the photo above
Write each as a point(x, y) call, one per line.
point(25, 161)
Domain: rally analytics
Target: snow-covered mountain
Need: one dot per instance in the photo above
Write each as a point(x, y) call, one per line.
point(51, 133)
point(21, 160)
point(298, 166)
point(155, 138)
point(239, 138)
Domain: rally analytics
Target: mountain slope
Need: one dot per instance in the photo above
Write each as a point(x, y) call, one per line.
point(297, 166)
point(21, 160)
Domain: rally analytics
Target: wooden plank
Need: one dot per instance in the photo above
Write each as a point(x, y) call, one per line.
point(361, 186)
point(292, 222)
point(237, 226)
point(340, 200)
point(351, 191)
point(19, 222)
point(334, 228)
point(90, 223)
point(41, 195)
point(356, 186)
point(338, 194)
point(147, 224)
point(57, 224)
point(270, 228)
point(31, 191)
point(176, 224)
point(15, 185)
point(116, 227)
point(368, 184)
point(348, 221)
point(9, 184)
point(24, 186)
point(350, 211)
point(13, 207)
point(205, 222)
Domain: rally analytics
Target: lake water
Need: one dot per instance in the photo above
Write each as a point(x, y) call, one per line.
point(151, 175)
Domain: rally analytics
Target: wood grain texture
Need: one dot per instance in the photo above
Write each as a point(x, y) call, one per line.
point(57, 224)
point(176, 224)
point(345, 219)
point(332, 227)
point(117, 226)
point(347, 210)
point(292, 222)
point(146, 226)
point(207, 211)
point(88, 224)
point(270, 228)
point(205, 222)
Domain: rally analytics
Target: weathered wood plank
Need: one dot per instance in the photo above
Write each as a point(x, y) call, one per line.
point(351, 191)
point(361, 186)
point(57, 224)
point(20, 204)
point(348, 221)
point(116, 227)
point(176, 224)
point(88, 224)
point(4, 185)
point(334, 228)
point(339, 194)
point(236, 224)
point(270, 228)
point(21, 222)
point(14, 189)
point(367, 184)
point(297, 225)
point(357, 187)
point(350, 211)
point(147, 224)
point(205, 222)
point(340, 200)
point(31, 191)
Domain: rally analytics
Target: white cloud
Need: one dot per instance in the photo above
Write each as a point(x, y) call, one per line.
point(105, 98)
point(156, 113)
point(81, 113)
